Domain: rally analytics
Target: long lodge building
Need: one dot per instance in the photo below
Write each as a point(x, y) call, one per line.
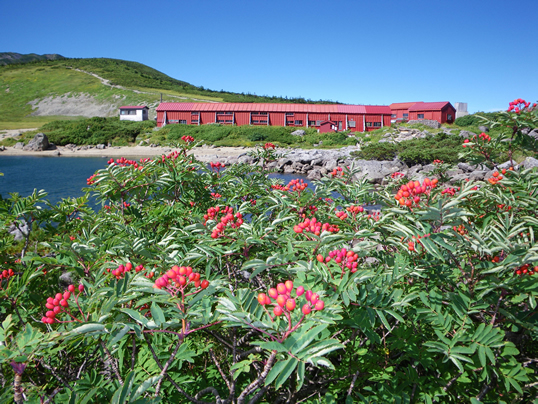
point(356, 118)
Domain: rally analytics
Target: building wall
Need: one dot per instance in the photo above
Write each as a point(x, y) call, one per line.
point(140, 115)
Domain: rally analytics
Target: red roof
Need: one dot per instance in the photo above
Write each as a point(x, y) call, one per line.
point(134, 107)
point(429, 106)
point(263, 107)
point(402, 105)
point(378, 109)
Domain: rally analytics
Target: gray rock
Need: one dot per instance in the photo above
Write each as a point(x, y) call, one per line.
point(452, 173)
point(428, 167)
point(2, 148)
point(142, 143)
point(466, 134)
point(506, 165)
point(457, 178)
point(289, 169)
point(484, 129)
point(19, 145)
point(414, 170)
point(19, 232)
point(245, 159)
point(529, 162)
point(427, 122)
point(314, 175)
point(100, 146)
point(331, 164)
point(477, 175)
point(66, 279)
point(466, 167)
point(40, 142)
point(299, 132)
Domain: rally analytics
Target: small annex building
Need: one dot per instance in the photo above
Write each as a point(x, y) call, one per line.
point(442, 112)
point(327, 127)
point(358, 118)
point(134, 113)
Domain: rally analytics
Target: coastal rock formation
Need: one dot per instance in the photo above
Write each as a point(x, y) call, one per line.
point(40, 142)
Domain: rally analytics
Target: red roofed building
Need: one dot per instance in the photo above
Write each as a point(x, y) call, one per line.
point(134, 113)
point(400, 111)
point(327, 127)
point(442, 112)
point(345, 117)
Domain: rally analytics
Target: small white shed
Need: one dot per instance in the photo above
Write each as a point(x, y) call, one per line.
point(134, 113)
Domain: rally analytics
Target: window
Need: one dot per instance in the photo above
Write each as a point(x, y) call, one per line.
point(393, 116)
point(420, 116)
point(377, 124)
point(220, 120)
point(449, 117)
point(259, 113)
point(318, 123)
point(351, 124)
point(195, 113)
point(368, 124)
point(183, 121)
point(289, 113)
point(406, 116)
point(311, 123)
point(259, 121)
point(289, 123)
point(300, 123)
point(124, 112)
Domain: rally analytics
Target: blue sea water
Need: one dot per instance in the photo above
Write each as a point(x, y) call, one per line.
point(60, 177)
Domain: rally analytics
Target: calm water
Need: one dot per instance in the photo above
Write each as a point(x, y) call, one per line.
point(60, 177)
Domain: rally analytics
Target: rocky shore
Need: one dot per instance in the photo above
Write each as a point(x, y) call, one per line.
point(314, 163)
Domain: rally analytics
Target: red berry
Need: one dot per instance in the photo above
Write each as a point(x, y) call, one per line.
point(205, 284)
point(261, 298)
point(306, 309)
point(290, 304)
point(277, 311)
point(289, 286)
point(81, 288)
point(281, 289)
point(273, 293)
point(299, 291)
point(320, 305)
point(281, 300)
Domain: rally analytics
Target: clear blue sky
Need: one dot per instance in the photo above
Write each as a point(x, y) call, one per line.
point(484, 53)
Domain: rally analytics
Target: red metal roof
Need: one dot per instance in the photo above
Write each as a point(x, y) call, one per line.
point(378, 109)
point(429, 106)
point(134, 107)
point(263, 107)
point(402, 105)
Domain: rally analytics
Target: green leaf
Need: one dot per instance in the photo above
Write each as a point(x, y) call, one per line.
point(89, 327)
point(289, 367)
point(141, 389)
point(136, 316)
point(119, 335)
point(157, 314)
point(307, 338)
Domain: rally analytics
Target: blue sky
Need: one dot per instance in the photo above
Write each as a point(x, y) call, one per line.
point(484, 53)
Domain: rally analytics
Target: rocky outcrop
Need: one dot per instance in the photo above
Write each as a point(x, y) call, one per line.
point(427, 122)
point(40, 142)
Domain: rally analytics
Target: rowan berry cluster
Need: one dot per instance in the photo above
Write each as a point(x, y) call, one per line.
point(397, 175)
point(436, 161)
point(504, 207)
point(122, 269)
point(460, 229)
point(284, 303)
point(91, 180)
point(409, 194)
point(355, 210)
point(6, 274)
point(342, 215)
point(187, 139)
point(123, 162)
point(293, 185)
point(343, 257)
point(520, 105)
point(338, 171)
point(179, 278)
point(450, 191)
point(60, 304)
point(411, 245)
point(228, 219)
point(216, 167)
point(526, 270)
point(375, 216)
point(269, 146)
point(495, 178)
point(315, 227)
point(215, 195)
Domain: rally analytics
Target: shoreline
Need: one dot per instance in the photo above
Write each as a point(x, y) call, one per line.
point(203, 153)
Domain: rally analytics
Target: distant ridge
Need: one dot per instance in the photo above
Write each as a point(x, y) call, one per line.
point(9, 58)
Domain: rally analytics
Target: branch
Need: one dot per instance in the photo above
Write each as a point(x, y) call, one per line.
point(156, 358)
point(254, 385)
point(217, 364)
point(112, 362)
point(166, 365)
point(57, 376)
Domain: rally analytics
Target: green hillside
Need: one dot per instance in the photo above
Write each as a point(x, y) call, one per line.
point(67, 88)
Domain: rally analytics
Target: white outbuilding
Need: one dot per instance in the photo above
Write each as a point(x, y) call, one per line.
point(134, 113)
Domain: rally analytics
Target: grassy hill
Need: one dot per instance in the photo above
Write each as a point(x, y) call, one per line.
point(39, 91)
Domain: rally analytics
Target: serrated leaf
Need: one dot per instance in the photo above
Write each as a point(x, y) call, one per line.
point(157, 314)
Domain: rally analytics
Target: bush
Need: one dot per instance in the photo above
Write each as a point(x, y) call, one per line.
point(95, 131)
point(415, 151)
